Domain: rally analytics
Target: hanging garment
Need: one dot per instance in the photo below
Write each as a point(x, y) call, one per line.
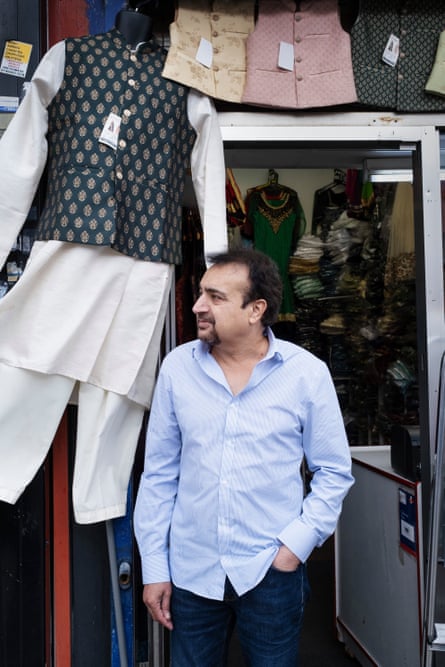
point(319, 71)
point(236, 207)
point(417, 27)
point(208, 46)
point(436, 80)
point(401, 265)
point(91, 302)
point(277, 221)
point(22, 159)
point(108, 429)
point(329, 201)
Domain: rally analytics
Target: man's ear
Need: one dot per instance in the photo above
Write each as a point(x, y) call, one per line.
point(259, 307)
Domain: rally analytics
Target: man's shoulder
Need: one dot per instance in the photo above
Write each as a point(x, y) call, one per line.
point(182, 352)
point(290, 350)
point(295, 354)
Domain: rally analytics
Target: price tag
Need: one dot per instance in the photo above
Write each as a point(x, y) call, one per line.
point(391, 52)
point(286, 56)
point(110, 132)
point(204, 54)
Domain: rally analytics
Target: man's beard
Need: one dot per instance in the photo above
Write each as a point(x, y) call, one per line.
point(209, 336)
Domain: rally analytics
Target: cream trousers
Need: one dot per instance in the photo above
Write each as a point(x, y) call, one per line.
point(31, 407)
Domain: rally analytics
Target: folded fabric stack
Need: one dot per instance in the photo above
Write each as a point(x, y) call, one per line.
point(309, 250)
point(304, 267)
point(337, 245)
point(333, 325)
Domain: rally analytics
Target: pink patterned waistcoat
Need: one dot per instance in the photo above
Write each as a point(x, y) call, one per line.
point(321, 73)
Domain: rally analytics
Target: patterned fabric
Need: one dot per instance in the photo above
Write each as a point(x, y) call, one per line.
point(226, 25)
point(418, 26)
point(322, 67)
point(130, 197)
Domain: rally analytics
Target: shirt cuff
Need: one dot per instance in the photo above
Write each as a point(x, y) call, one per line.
point(300, 538)
point(155, 568)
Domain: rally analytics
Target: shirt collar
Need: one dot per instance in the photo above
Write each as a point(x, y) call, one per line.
point(201, 349)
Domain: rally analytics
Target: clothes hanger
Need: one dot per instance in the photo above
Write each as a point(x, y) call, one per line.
point(339, 181)
point(273, 188)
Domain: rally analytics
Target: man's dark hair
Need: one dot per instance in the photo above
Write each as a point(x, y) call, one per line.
point(265, 279)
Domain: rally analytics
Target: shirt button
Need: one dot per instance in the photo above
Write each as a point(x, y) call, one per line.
point(131, 82)
point(298, 39)
point(133, 57)
point(119, 174)
point(127, 113)
point(298, 59)
point(215, 17)
point(215, 33)
point(298, 17)
point(122, 143)
point(299, 78)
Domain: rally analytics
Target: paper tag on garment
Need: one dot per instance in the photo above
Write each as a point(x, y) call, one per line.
point(16, 57)
point(204, 54)
point(110, 132)
point(391, 52)
point(286, 56)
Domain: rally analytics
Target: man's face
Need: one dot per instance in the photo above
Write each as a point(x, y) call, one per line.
point(219, 311)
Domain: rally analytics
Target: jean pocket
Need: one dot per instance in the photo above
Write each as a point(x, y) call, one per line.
point(277, 569)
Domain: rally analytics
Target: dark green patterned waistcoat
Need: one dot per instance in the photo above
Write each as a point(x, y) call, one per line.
point(128, 197)
point(418, 25)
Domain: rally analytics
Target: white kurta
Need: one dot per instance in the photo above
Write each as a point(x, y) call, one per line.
point(88, 312)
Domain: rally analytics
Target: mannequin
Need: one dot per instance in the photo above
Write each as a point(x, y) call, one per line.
point(87, 314)
point(136, 25)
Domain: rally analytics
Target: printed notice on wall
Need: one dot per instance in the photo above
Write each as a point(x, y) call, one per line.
point(16, 58)
point(408, 516)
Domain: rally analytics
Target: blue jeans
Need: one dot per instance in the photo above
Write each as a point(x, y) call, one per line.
point(268, 620)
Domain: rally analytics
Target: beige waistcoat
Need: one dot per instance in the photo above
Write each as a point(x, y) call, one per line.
point(225, 24)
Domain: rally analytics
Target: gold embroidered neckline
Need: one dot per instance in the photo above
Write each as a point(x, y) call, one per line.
point(284, 200)
point(275, 215)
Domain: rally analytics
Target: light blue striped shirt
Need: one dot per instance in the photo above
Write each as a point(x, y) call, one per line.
point(222, 488)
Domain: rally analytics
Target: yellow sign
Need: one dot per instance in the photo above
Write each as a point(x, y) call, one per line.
point(16, 58)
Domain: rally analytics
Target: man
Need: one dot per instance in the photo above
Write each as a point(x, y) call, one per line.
point(221, 520)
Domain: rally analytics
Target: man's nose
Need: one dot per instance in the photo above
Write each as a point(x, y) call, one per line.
point(200, 304)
